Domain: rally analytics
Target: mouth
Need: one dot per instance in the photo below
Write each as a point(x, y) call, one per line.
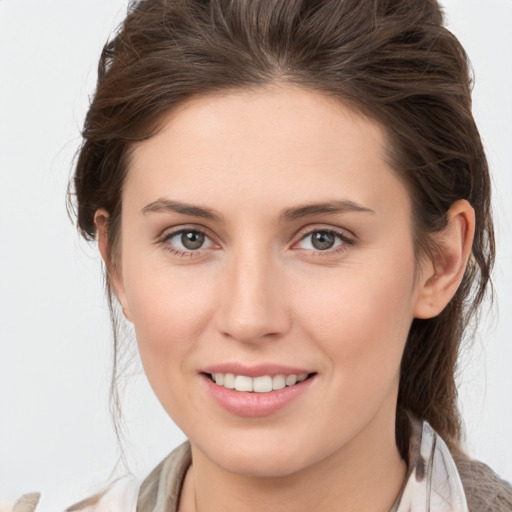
point(258, 384)
point(257, 390)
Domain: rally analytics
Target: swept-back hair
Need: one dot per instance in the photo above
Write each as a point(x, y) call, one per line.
point(390, 60)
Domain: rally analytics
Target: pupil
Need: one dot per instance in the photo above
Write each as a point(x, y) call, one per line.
point(192, 239)
point(322, 240)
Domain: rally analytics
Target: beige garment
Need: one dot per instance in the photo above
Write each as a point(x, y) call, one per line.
point(27, 503)
point(119, 496)
point(161, 490)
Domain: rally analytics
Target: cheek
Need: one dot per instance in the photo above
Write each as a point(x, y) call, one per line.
point(169, 309)
point(169, 314)
point(361, 321)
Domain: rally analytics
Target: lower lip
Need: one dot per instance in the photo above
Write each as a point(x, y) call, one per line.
point(253, 405)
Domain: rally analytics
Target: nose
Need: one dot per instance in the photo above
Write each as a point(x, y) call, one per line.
point(253, 302)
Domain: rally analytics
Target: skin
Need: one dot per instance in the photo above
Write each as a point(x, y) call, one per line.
point(259, 291)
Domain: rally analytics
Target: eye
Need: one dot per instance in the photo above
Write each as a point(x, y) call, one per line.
point(323, 240)
point(186, 241)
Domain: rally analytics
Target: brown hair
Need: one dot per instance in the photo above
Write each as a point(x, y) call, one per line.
point(391, 60)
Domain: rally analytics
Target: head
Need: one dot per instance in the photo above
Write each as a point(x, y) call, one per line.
point(387, 76)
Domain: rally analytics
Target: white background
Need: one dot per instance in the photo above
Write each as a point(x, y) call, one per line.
point(55, 430)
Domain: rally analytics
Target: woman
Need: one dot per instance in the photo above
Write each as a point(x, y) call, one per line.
point(293, 206)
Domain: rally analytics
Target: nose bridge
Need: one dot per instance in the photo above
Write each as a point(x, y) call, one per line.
point(253, 306)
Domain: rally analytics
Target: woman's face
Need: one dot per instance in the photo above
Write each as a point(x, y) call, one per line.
point(265, 236)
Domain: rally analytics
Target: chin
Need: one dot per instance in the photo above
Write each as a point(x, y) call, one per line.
point(277, 464)
point(263, 455)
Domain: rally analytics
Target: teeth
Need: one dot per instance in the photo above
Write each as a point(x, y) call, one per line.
point(243, 383)
point(291, 380)
point(263, 384)
point(278, 382)
point(229, 381)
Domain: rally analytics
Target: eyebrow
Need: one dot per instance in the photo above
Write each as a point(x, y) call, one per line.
point(166, 205)
point(290, 214)
point(332, 207)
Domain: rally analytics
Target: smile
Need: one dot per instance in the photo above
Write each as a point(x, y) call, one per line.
point(260, 384)
point(256, 396)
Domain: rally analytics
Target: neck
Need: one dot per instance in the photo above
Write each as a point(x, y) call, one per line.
point(365, 475)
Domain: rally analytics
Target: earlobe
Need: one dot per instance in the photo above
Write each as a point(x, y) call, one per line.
point(101, 221)
point(114, 278)
point(443, 273)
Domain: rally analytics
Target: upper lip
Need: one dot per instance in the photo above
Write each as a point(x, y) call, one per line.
point(255, 370)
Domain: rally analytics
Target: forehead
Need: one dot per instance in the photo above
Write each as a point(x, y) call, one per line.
point(275, 144)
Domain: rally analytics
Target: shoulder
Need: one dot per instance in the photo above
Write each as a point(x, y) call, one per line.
point(118, 496)
point(27, 503)
point(162, 485)
point(451, 476)
point(485, 490)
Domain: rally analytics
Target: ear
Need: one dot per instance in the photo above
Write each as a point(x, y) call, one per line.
point(442, 274)
point(113, 271)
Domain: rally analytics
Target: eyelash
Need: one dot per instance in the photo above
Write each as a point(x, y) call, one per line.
point(178, 252)
point(346, 242)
